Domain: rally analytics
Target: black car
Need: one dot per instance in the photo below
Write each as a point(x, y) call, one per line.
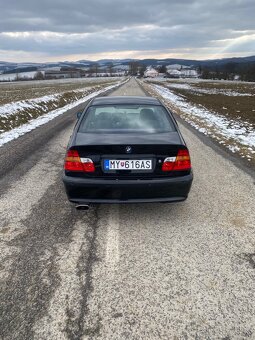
point(126, 150)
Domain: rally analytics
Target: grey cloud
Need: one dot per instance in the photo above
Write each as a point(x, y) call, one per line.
point(118, 26)
point(129, 39)
point(93, 15)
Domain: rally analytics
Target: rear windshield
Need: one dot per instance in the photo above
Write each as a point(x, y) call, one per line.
point(126, 119)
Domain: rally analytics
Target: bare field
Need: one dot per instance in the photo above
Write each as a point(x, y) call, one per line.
point(234, 100)
point(21, 102)
point(24, 90)
point(222, 110)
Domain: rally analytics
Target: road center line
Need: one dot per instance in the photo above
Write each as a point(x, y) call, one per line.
point(112, 242)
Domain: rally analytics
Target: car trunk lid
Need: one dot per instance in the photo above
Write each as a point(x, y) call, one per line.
point(102, 147)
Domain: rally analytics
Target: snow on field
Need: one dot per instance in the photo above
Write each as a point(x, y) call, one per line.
point(35, 103)
point(195, 89)
point(210, 91)
point(201, 80)
point(34, 123)
point(15, 107)
point(14, 76)
point(179, 86)
point(237, 136)
point(57, 82)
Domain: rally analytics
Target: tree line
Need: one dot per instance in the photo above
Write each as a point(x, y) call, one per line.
point(229, 71)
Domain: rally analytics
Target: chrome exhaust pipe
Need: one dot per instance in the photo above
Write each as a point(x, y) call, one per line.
point(82, 207)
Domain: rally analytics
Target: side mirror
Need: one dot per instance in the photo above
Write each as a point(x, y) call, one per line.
point(78, 114)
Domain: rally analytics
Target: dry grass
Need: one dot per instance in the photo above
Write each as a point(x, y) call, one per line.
point(240, 109)
point(233, 107)
point(17, 91)
point(239, 87)
point(66, 93)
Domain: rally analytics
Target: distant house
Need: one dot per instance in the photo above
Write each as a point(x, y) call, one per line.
point(181, 71)
point(78, 73)
point(189, 73)
point(174, 73)
point(18, 76)
point(176, 67)
point(151, 73)
point(107, 74)
point(54, 74)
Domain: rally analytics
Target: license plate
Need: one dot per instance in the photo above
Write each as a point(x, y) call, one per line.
point(128, 164)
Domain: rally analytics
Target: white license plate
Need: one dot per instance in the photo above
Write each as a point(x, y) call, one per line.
point(128, 164)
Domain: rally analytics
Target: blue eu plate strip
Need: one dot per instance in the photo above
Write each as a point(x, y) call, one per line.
point(107, 164)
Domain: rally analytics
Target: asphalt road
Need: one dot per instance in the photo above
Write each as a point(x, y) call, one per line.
point(155, 271)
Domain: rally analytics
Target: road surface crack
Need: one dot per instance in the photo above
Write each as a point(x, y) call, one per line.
point(33, 278)
point(75, 326)
point(250, 258)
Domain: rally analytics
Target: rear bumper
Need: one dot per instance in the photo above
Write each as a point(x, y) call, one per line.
point(88, 190)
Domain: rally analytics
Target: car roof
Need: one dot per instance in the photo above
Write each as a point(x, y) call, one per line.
point(114, 100)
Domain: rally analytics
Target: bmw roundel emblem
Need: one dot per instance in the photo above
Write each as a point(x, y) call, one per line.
point(128, 149)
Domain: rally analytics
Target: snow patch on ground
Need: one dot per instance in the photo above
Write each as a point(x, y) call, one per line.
point(35, 103)
point(15, 107)
point(34, 123)
point(179, 86)
point(235, 135)
point(195, 89)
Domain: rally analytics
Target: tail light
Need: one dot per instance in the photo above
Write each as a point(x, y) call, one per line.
point(73, 162)
point(88, 165)
point(178, 163)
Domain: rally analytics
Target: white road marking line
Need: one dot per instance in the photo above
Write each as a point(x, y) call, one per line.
point(112, 243)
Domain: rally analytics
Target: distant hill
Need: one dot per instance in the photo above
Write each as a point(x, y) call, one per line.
point(196, 63)
point(8, 67)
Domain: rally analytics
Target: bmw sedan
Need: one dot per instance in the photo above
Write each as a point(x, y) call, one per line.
point(126, 150)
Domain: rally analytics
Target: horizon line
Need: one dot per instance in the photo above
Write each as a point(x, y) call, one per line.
point(118, 59)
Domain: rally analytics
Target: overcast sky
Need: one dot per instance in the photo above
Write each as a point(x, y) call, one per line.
point(57, 30)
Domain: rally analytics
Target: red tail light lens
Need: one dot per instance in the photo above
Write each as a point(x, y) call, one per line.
point(168, 164)
point(182, 160)
point(88, 165)
point(178, 163)
point(73, 162)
